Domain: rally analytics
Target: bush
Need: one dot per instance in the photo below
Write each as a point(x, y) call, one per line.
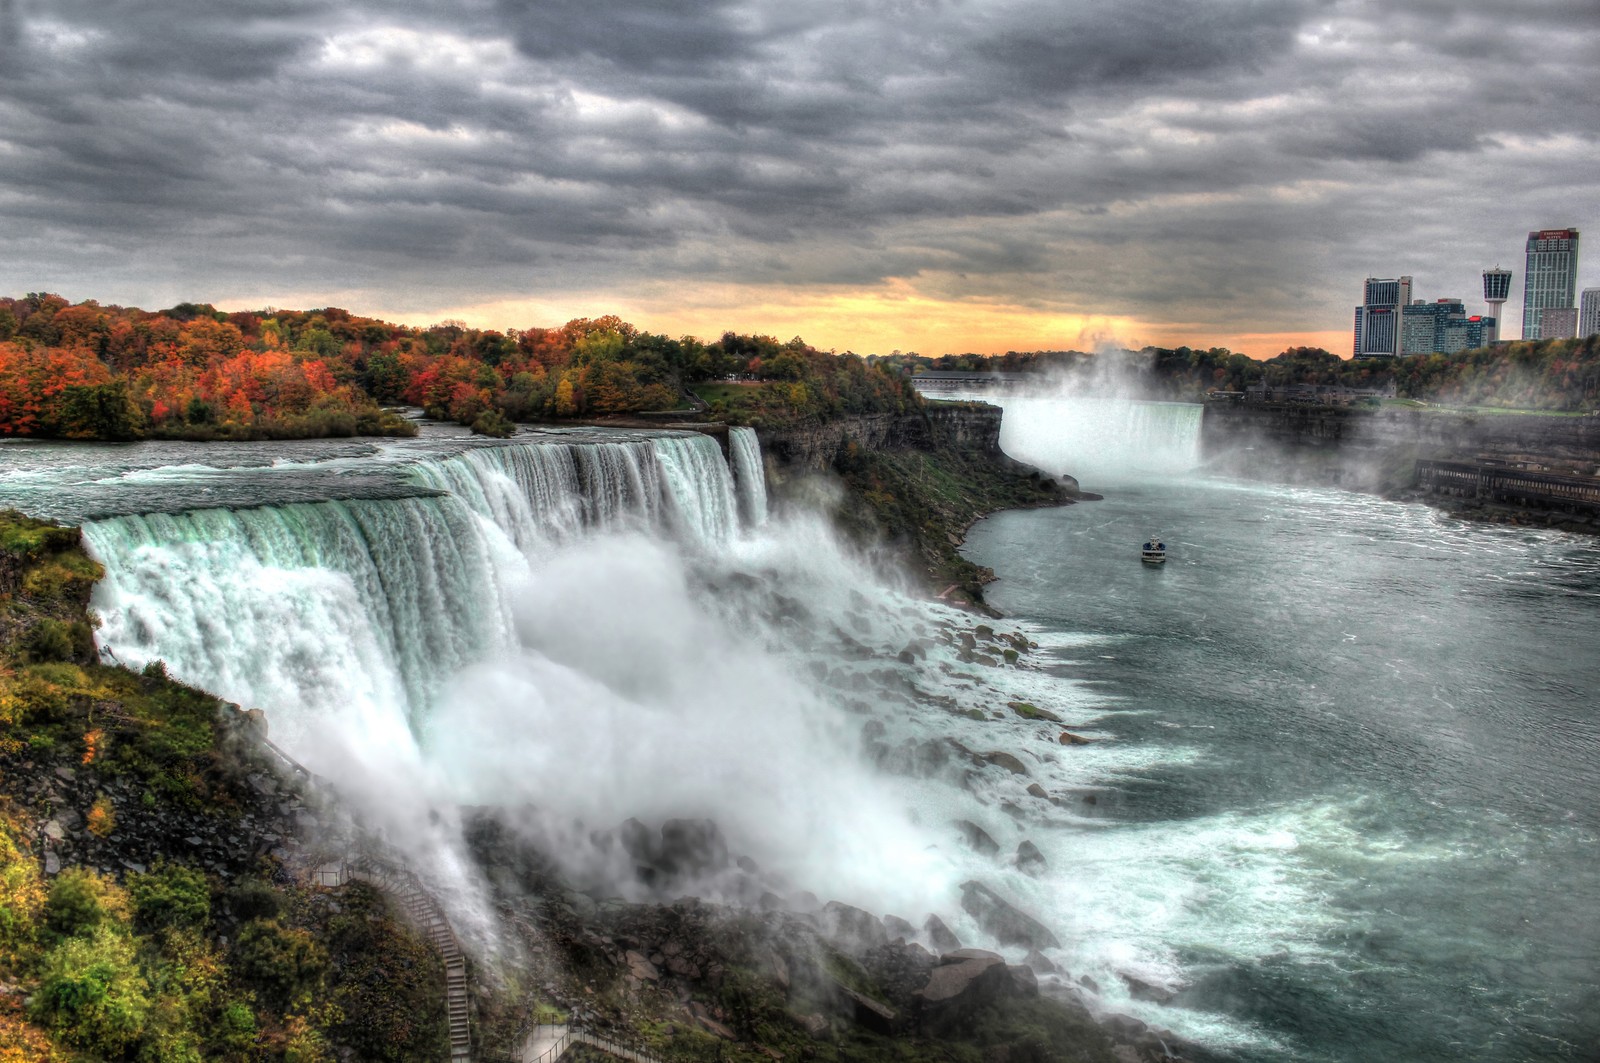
point(493, 423)
point(80, 902)
point(282, 964)
point(254, 898)
point(92, 993)
point(171, 896)
point(49, 640)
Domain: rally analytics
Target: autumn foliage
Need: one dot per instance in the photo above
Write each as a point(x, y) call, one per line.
point(87, 371)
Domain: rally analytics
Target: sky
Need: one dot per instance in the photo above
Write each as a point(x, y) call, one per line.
point(871, 175)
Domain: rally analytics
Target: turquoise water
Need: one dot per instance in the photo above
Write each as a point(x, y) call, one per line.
point(1368, 799)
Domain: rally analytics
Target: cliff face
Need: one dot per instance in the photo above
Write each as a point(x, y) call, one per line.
point(974, 428)
point(1228, 427)
point(913, 482)
point(1375, 450)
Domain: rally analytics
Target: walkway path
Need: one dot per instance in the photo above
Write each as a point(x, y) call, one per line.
point(549, 1043)
point(429, 917)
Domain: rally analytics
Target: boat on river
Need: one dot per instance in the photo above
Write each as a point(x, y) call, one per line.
point(1154, 551)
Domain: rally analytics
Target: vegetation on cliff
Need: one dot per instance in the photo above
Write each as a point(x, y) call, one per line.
point(144, 913)
point(86, 371)
point(1558, 375)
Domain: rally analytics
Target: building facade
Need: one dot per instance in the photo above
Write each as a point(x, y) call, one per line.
point(1377, 324)
point(1558, 323)
point(1589, 313)
point(1443, 327)
point(1551, 277)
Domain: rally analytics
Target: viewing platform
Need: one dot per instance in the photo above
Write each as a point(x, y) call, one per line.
point(1509, 485)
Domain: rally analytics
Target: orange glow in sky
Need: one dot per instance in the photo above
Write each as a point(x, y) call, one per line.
point(875, 320)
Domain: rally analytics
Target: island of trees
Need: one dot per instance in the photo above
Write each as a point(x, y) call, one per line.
point(87, 371)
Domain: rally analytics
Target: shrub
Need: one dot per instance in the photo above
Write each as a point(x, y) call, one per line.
point(170, 896)
point(92, 993)
point(283, 964)
point(102, 817)
point(254, 898)
point(80, 902)
point(49, 640)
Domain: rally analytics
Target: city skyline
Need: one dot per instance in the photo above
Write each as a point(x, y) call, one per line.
point(934, 175)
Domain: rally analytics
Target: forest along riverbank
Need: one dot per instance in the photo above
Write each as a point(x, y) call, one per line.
point(852, 739)
point(1345, 806)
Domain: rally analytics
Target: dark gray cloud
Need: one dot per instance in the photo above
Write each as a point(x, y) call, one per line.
point(1212, 161)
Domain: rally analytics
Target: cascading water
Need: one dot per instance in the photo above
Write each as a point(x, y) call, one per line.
point(749, 475)
point(1100, 438)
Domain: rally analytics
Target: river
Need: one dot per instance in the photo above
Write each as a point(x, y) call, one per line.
point(1365, 824)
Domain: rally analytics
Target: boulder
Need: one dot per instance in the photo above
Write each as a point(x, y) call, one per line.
point(1002, 919)
point(1040, 963)
point(816, 1026)
point(1035, 790)
point(1030, 861)
point(955, 990)
point(641, 968)
point(940, 936)
point(852, 929)
point(1024, 983)
point(692, 847)
point(870, 1014)
point(1006, 761)
point(1070, 739)
point(977, 839)
point(1139, 989)
point(899, 928)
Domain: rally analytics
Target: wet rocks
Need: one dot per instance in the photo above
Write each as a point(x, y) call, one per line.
point(853, 930)
point(1029, 860)
point(1029, 711)
point(1006, 761)
point(976, 838)
point(999, 917)
point(1070, 739)
point(940, 935)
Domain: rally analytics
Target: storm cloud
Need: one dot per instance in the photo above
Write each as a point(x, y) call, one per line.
point(1225, 166)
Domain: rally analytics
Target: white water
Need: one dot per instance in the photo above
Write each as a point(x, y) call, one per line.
point(1101, 439)
point(749, 474)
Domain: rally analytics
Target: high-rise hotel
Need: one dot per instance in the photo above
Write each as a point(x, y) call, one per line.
point(1378, 316)
point(1551, 279)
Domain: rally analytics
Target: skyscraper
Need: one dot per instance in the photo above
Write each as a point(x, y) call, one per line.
point(1442, 327)
point(1496, 289)
point(1377, 327)
point(1551, 278)
point(1589, 313)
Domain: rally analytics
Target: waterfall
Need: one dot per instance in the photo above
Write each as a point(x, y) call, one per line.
point(750, 477)
point(355, 606)
point(698, 487)
point(1101, 437)
point(365, 607)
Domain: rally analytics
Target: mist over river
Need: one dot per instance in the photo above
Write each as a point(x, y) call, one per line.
point(1339, 801)
point(1366, 825)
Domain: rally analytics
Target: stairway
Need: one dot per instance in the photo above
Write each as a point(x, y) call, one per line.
point(426, 914)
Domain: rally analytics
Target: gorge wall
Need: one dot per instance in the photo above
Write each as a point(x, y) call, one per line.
point(1376, 450)
point(971, 427)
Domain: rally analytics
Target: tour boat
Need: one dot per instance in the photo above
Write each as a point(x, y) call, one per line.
point(1154, 551)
